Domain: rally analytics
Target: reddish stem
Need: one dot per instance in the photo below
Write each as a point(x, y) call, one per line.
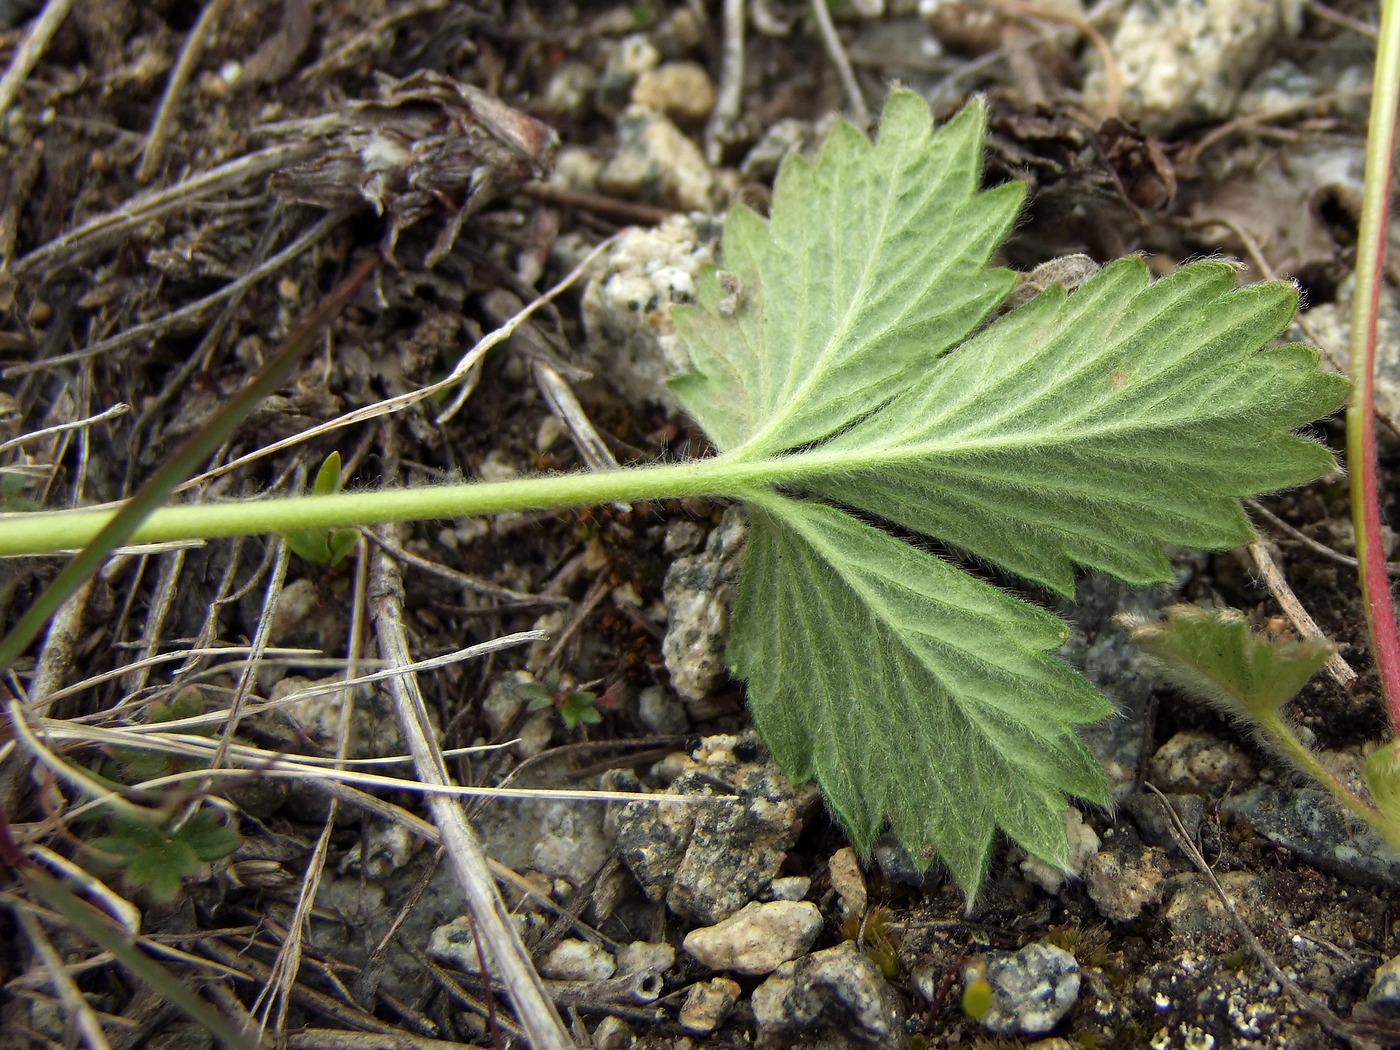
point(1361, 413)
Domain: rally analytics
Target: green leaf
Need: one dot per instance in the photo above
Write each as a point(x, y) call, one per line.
point(1093, 428)
point(1213, 654)
point(163, 868)
point(858, 279)
point(909, 689)
point(327, 476)
point(208, 836)
point(326, 547)
point(836, 354)
point(578, 707)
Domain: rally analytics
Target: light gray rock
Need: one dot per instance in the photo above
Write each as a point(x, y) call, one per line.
point(1198, 920)
point(1383, 1000)
point(1310, 824)
point(455, 943)
point(790, 888)
point(655, 162)
point(661, 711)
point(573, 959)
point(699, 592)
point(836, 999)
point(631, 57)
point(708, 1004)
point(1032, 989)
point(1331, 322)
point(1146, 811)
point(1122, 882)
point(645, 957)
point(1183, 63)
point(758, 938)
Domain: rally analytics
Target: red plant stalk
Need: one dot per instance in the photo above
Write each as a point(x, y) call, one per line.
point(1361, 412)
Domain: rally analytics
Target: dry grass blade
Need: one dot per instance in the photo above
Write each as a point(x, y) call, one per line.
point(536, 1011)
point(80, 1013)
point(164, 121)
point(1298, 616)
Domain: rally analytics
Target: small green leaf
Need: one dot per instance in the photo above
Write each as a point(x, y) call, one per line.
point(578, 708)
point(327, 481)
point(323, 546)
point(1382, 775)
point(208, 836)
point(163, 868)
point(1213, 654)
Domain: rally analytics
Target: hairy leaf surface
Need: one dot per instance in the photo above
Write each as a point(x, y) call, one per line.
point(839, 346)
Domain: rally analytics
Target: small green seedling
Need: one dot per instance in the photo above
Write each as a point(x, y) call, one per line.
point(575, 706)
point(158, 856)
point(132, 765)
point(843, 364)
point(1250, 675)
point(323, 546)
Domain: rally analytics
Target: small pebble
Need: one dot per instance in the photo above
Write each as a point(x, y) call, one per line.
point(645, 957)
point(1123, 882)
point(790, 888)
point(1199, 762)
point(758, 938)
point(680, 90)
point(662, 712)
point(1383, 1000)
point(578, 960)
point(1083, 844)
point(707, 1004)
point(848, 881)
point(612, 1033)
point(656, 163)
point(1196, 917)
point(836, 997)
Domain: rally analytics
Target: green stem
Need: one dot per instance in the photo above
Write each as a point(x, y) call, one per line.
point(48, 532)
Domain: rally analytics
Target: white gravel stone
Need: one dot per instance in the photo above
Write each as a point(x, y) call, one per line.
point(1184, 63)
point(577, 960)
point(758, 938)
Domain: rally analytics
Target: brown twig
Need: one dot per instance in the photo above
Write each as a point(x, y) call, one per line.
point(28, 53)
point(164, 120)
point(1304, 624)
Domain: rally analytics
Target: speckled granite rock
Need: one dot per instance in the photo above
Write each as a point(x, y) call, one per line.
point(835, 999)
point(1032, 989)
point(1310, 824)
point(708, 861)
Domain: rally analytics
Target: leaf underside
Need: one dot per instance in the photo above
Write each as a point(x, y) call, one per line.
point(841, 343)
